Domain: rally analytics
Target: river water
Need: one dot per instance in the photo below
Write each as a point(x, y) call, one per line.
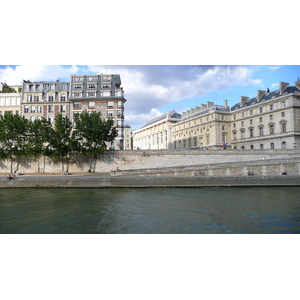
point(205, 210)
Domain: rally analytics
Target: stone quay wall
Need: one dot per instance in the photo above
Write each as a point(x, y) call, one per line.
point(169, 163)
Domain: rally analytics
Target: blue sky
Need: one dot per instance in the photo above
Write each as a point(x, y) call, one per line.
point(151, 90)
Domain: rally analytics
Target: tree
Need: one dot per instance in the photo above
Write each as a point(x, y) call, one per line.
point(38, 136)
point(93, 132)
point(61, 142)
point(13, 134)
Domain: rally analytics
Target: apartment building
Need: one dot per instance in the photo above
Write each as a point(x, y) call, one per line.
point(157, 133)
point(45, 99)
point(10, 98)
point(100, 93)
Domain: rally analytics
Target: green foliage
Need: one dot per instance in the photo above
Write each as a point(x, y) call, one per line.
point(13, 134)
point(7, 89)
point(37, 138)
point(61, 142)
point(93, 132)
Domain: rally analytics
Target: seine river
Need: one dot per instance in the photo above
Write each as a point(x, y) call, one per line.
point(205, 210)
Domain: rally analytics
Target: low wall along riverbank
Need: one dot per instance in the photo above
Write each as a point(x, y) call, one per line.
point(175, 167)
point(105, 181)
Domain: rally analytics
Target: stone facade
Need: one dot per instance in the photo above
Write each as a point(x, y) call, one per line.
point(157, 133)
point(45, 99)
point(271, 120)
point(10, 101)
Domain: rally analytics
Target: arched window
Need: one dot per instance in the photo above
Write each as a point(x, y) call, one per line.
point(251, 147)
point(283, 145)
point(272, 146)
point(261, 146)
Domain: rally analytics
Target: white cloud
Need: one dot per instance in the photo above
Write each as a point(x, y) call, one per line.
point(147, 88)
point(36, 73)
point(274, 67)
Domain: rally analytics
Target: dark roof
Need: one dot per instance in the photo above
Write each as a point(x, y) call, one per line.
point(173, 114)
point(266, 97)
point(205, 111)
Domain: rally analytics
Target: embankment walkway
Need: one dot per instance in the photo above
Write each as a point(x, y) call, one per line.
point(106, 180)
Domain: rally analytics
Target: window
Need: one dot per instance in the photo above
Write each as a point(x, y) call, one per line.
point(223, 127)
point(77, 95)
point(120, 113)
point(261, 131)
point(39, 108)
point(260, 109)
point(271, 129)
point(62, 108)
point(271, 117)
point(63, 98)
point(261, 146)
point(29, 98)
point(92, 86)
point(251, 122)
point(110, 114)
point(283, 104)
point(251, 112)
point(271, 106)
point(77, 105)
point(251, 147)
point(283, 114)
point(242, 123)
point(50, 108)
point(77, 86)
point(26, 109)
point(110, 104)
point(91, 104)
point(50, 98)
point(92, 78)
point(283, 127)
point(63, 86)
point(242, 134)
point(260, 119)
point(234, 125)
point(251, 132)
point(91, 94)
point(32, 109)
point(272, 146)
point(36, 98)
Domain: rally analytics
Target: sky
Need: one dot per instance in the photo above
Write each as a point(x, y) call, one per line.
point(152, 90)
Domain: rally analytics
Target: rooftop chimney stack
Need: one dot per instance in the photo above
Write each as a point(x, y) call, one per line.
point(260, 93)
point(283, 86)
point(243, 100)
point(226, 103)
point(297, 84)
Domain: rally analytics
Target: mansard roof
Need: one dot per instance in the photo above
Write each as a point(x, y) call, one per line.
point(172, 114)
point(266, 97)
point(216, 108)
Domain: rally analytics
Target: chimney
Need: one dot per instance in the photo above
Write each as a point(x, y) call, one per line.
point(260, 93)
point(193, 110)
point(226, 103)
point(283, 86)
point(209, 104)
point(198, 108)
point(188, 112)
point(183, 114)
point(203, 106)
point(243, 99)
point(297, 84)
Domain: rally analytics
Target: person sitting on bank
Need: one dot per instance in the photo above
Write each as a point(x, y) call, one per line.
point(10, 177)
point(16, 173)
point(250, 173)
